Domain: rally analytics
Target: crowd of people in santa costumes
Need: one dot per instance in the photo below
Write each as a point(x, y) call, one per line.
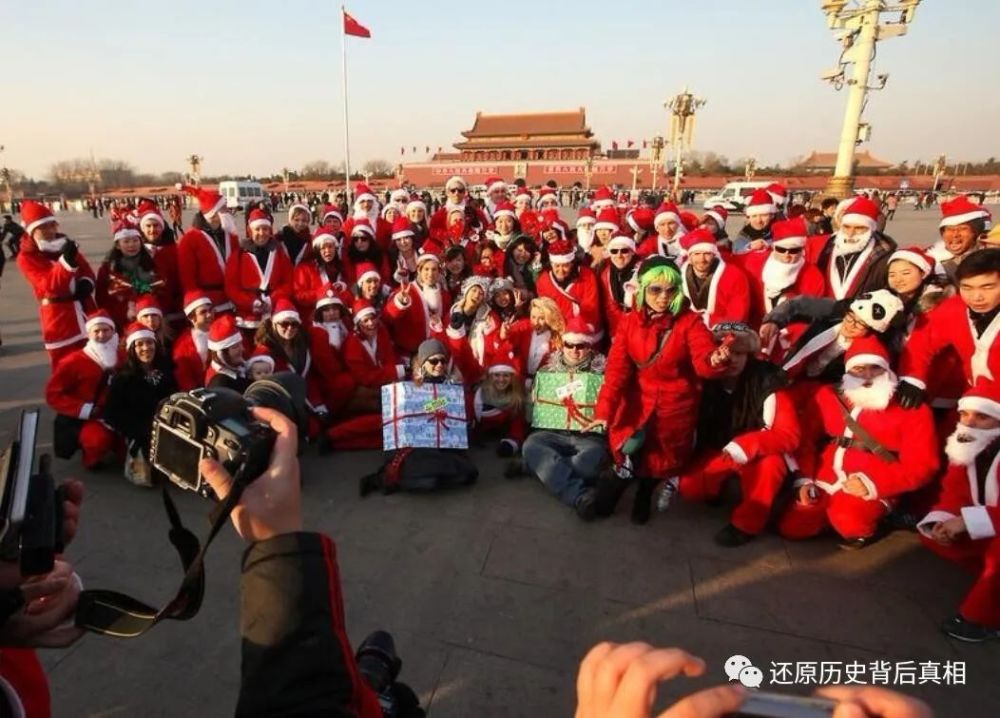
point(841, 383)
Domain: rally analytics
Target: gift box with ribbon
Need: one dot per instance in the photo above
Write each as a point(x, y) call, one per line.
point(431, 416)
point(564, 400)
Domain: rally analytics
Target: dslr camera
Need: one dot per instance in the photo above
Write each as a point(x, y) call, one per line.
point(216, 423)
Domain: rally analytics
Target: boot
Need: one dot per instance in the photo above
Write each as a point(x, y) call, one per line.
point(643, 500)
point(609, 488)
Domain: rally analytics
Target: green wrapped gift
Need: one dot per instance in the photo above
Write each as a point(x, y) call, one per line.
point(564, 400)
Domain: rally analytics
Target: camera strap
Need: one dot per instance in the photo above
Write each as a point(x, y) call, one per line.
point(111, 613)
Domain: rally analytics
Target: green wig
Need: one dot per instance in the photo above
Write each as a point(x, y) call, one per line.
point(671, 276)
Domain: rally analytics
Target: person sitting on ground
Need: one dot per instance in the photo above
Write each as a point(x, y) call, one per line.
point(190, 352)
point(499, 403)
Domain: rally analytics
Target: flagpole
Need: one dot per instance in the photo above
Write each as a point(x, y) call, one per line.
point(347, 135)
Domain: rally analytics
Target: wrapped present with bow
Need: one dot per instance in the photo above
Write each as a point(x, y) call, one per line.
point(564, 400)
point(430, 416)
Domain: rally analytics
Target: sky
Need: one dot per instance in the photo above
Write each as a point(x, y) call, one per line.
point(254, 86)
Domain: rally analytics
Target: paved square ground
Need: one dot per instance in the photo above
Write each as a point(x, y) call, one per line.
point(494, 593)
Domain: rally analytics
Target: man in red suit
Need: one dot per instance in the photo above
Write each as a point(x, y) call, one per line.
point(369, 352)
point(969, 323)
point(206, 247)
point(614, 278)
point(61, 279)
point(860, 452)
point(163, 246)
point(962, 224)
point(191, 348)
point(669, 230)
point(77, 391)
point(418, 310)
point(965, 521)
point(718, 291)
point(571, 286)
point(258, 274)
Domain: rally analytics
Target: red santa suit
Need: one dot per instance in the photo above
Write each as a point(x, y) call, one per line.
point(255, 290)
point(23, 681)
point(373, 361)
point(508, 423)
point(581, 297)
point(971, 490)
point(727, 296)
point(662, 245)
point(166, 265)
point(613, 309)
point(190, 355)
point(78, 389)
point(312, 275)
point(531, 348)
point(55, 282)
point(203, 265)
point(421, 316)
point(831, 453)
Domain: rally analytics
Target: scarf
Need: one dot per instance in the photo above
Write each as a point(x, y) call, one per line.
point(293, 241)
point(617, 278)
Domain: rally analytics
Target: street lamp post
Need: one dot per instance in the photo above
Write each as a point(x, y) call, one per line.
point(859, 29)
point(588, 169)
point(635, 172)
point(194, 162)
point(750, 169)
point(683, 107)
point(656, 159)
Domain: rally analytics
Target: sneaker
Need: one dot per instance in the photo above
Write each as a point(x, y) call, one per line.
point(138, 472)
point(898, 520)
point(368, 484)
point(856, 544)
point(667, 492)
point(732, 537)
point(586, 504)
point(958, 627)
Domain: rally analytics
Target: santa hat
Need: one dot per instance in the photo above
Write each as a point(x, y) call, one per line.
point(561, 252)
point(866, 351)
point(362, 226)
point(546, 193)
point(194, 299)
point(399, 196)
point(690, 221)
point(476, 280)
point(524, 193)
point(640, 219)
point(260, 218)
point(321, 236)
point(328, 297)
point(135, 332)
point(789, 233)
point(330, 211)
point(877, 309)
point(401, 228)
point(209, 200)
point(363, 192)
point(667, 210)
point(586, 216)
point(861, 211)
point(959, 211)
point(366, 271)
point(147, 304)
point(285, 311)
point(916, 256)
point(578, 331)
point(700, 240)
point(607, 218)
point(34, 215)
point(502, 360)
point(454, 182)
point(299, 207)
point(362, 308)
point(505, 209)
point(416, 203)
point(494, 182)
point(760, 203)
point(622, 241)
point(260, 354)
point(124, 228)
point(740, 336)
point(101, 316)
point(719, 214)
point(552, 220)
point(779, 195)
point(427, 257)
point(983, 398)
point(603, 197)
point(224, 333)
point(148, 210)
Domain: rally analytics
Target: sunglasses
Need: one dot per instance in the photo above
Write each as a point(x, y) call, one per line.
point(568, 345)
point(655, 290)
point(456, 190)
point(620, 251)
point(286, 325)
point(435, 361)
point(788, 250)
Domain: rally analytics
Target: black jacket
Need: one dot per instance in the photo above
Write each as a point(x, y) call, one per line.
point(133, 397)
point(875, 275)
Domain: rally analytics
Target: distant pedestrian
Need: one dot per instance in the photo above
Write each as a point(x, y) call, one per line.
point(891, 202)
point(10, 234)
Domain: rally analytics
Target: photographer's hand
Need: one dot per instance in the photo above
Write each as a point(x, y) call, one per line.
point(46, 620)
point(272, 504)
point(73, 490)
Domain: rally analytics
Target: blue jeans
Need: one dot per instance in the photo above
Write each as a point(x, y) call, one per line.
point(566, 463)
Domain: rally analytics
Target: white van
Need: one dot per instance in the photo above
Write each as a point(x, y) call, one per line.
point(240, 193)
point(734, 196)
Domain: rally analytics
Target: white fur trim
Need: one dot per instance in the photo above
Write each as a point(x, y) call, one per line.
point(86, 410)
point(427, 257)
point(65, 265)
point(363, 229)
point(188, 308)
point(586, 220)
point(736, 453)
point(499, 368)
point(499, 184)
point(155, 216)
point(326, 301)
point(790, 242)
point(913, 258)
point(265, 358)
point(416, 203)
point(755, 209)
point(218, 205)
point(149, 310)
point(370, 274)
point(94, 321)
point(401, 371)
point(333, 213)
point(320, 239)
point(963, 218)
point(703, 247)
point(916, 382)
point(230, 341)
point(38, 223)
point(127, 232)
point(455, 333)
point(859, 219)
point(286, 315)
point(454, 181)
point(621, 242)
point(259, 223)
point(573, 338)
point(606, 225)
point(977, 522)
point(135, 336)
point(296, 207)
point(717, 217)
point(561, 258)
point(408, 232)
point(866, 359)
point(365, 196)
point(505, 213)
point(980, 405)
point(366, 312)
point(934, 517)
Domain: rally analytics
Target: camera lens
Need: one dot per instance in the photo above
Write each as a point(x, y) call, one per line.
point(284, 392)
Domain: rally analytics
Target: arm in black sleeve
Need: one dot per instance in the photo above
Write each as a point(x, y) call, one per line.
point(297, 660)
point(802, 308)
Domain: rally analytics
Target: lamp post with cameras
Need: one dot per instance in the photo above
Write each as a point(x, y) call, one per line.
point(588, 169)
point(859, 27)
point(683, 107)
point(194, 162)
point(656, 160)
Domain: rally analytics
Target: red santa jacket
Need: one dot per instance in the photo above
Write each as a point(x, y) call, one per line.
point(780, 434)
point(949, 325)
point(53, 281)
point(329, 383)
point(808, 282)
point(908, 433)
point(119, 301)
point(492, 420)
point(728, 295)
point(247, 284)
point(25, 678)
point(350, 270)
point(580, 299)
point(308, 280)
point(373, 363)
point(383, 232)
point(531, 350)
point(79, 386)
point(203, 266)
point(190, 362)
point(413, 323)
point(976, 499)
point(613, 311)
point(169, 294)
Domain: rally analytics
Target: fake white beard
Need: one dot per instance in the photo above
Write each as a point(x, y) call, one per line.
point(875, 397)
point(966, 443)
point(372, 216)
point(200, 343)
point(585, 237)
point(777, 275)
point(228, 223)
point(450, 207)
point(336, 331)
point(105, 354)
point(432, 298)
point(51, 245)
point(841, 246)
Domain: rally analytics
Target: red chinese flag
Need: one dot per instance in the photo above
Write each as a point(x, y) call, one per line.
point(353, 27)
point(630, 143)
point(427, 149)
point(614, 145)
point(644, 144)
point(414, 150)
point(402, 150)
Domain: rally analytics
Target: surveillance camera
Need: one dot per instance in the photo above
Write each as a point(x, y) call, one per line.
point(832, 74)
point(832, 6)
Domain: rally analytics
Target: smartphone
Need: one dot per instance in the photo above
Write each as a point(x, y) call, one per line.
point(761, 704)
point(16, 467)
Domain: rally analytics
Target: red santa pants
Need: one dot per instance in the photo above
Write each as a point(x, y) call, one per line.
point(849, 516)
point(57, 355)
point(760, 482)
point(981, 558)
point(23, 673)
point(357, 433)
point(96, 441)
